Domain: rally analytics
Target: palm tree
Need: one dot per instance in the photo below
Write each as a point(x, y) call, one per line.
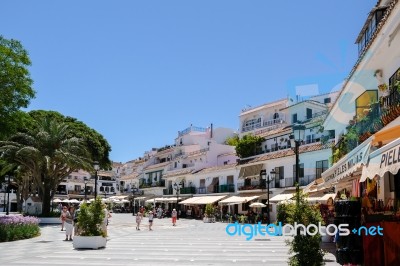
point(48, 154)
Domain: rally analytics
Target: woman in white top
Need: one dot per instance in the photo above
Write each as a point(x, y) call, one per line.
point(151, 217)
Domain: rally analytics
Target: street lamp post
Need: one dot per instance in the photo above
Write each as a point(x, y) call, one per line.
point(263, 175)
point(295, 139)
point(8, 196)
point(133, 199)
point(177, 189)
point(96, 168)
point(85, 181)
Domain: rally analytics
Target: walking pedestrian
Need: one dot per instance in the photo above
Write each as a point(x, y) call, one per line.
point(138, 220)
point(62, 216)
point(174, 215)
point(151, 217)
point(69, 223)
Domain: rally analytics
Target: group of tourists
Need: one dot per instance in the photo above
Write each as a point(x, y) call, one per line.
point(69, 219)
point(150, 216)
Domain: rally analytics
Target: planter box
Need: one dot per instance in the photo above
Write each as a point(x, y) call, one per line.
point(91, 242)
point(49, 220)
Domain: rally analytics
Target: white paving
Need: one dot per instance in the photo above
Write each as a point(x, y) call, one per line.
point(192, 242)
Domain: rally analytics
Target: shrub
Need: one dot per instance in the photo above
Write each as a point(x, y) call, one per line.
point(210, 210)
point(90, 219)
point(18, 227)
point(284, 211)
point(306, 248)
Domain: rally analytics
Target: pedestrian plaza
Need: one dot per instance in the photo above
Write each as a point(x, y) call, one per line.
point(191, 242)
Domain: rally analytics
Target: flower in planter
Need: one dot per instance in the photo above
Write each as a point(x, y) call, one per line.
point(382, 87)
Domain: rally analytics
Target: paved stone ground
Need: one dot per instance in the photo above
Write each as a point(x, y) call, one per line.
point(191, 242)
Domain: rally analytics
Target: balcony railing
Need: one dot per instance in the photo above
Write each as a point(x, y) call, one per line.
point(188, 190)
point(168, 191)
point(226, 188)
point(202, 190)
point(190, 129)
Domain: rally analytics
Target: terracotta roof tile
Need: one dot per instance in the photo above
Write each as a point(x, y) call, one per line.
point(130, 176)
point(178, 172)
point(217, 168)
point(153, 166)
point(290, 152)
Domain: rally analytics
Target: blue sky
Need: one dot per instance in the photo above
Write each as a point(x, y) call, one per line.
point(140, 71)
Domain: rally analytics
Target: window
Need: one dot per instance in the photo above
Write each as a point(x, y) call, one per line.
point(251, 124)
point(309, 113)
point(175, 165)
point(279, 172)
point(276, 116)
point(301, 170)
point(294, 118)
point(327, 100)
point(320, 167)
point(363, 102)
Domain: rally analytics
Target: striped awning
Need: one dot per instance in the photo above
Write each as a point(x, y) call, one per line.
point(237, 200)
point(202, 200)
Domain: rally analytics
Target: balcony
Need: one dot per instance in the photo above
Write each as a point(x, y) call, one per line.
point(168, 191)
point(390, 106)
point(253, 184)
point(265, 126)
point(226, 188)
point(202, 190)
point(192, 129)
point(188, 190)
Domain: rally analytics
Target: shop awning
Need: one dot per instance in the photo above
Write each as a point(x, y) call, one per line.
point(349, 163)
point(387, 134)
point(237, 200)
point(202, 200)
point(385, 159)
point(170, 199)
point(281, 197)
point(327, 196)
point(189, 200)
point(251, 170)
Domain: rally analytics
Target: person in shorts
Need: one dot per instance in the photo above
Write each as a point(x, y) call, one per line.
point(138, 220)
point(151, 217)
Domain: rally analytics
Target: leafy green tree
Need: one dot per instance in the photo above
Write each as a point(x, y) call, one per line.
point(15, 83)
point(232, 141)
point(98, 147)
point(48, 153)
point(247, 146)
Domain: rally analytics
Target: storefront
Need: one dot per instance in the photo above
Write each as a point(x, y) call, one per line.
point(382, 174)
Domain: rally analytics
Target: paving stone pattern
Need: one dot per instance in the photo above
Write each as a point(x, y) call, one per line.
point(191, 242)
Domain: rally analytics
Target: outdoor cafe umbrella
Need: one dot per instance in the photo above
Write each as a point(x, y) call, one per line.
point(258, 205)
point(56, 201)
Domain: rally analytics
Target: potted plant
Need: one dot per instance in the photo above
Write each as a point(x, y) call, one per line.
point(209, 214)
point(90, 228)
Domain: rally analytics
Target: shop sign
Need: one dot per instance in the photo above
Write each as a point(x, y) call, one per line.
point(347, 165)
point(390, 157)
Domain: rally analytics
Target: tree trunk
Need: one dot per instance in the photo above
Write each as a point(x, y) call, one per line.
point(46, 199)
